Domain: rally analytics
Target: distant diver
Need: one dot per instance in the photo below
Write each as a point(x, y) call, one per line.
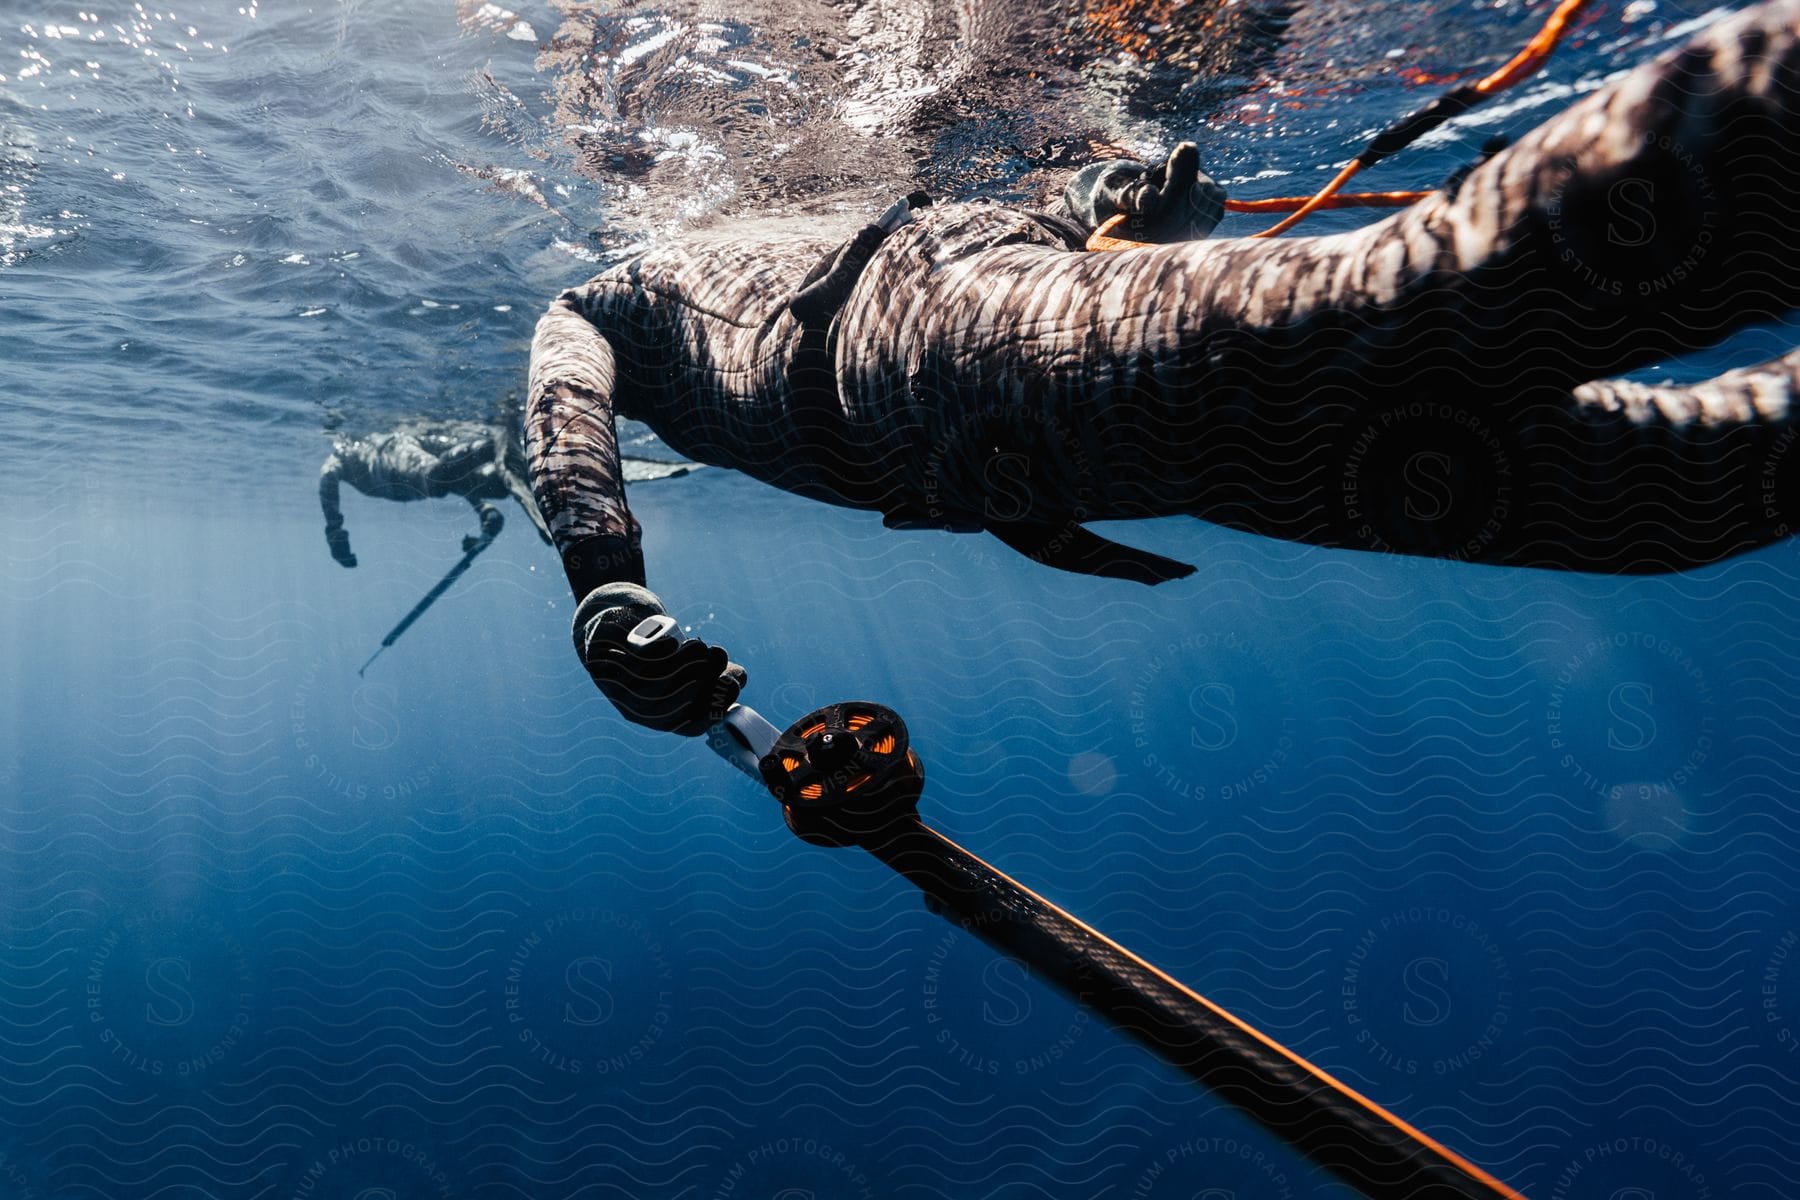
point(428, 459)
point(1425, 384)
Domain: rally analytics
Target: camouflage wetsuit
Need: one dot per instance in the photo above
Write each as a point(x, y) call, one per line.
point(981, 372)
point(424, 460)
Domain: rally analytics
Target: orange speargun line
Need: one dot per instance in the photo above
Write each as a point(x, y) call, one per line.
point(1102, 238)
point(1523, 64)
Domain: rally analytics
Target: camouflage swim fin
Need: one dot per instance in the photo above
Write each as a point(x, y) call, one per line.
point(642, 470)
point(1074, 548)
point(521, 491)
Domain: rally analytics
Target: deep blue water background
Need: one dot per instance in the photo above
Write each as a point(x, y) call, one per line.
point(1512, 851)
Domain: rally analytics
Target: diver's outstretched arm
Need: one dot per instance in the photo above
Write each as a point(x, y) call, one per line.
point(572, 452)
point(336, 536)
point(491, 521)
point(1652, 217)
point(392, 466)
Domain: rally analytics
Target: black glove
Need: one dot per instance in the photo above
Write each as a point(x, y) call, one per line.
point(669, 685)
point(338, 538)
point(1173, 202)
point(492, 522)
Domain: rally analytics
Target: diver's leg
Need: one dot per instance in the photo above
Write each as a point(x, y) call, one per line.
point(1627, 477)
point(1651, 218)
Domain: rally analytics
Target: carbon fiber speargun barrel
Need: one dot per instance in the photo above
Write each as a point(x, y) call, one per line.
point(491, 522)
point(846, 775)
point(1330, 1123)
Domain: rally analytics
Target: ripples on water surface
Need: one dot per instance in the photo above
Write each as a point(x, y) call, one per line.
point(1512, 852)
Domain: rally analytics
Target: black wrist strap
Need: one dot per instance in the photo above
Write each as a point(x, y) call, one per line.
point(602, 559)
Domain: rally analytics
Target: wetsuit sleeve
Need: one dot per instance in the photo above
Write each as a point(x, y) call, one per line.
point(572, 450)
point(336, 536)
point(485, 512)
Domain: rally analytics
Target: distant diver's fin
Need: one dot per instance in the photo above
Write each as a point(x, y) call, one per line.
point(521, 491)
point(942, 521)
point(1074, 548)
point(642, 470)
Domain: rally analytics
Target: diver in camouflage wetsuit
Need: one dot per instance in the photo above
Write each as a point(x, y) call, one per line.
point(966, 367)
point(425, 460)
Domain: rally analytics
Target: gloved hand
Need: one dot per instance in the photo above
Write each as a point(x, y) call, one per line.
point(1173, 202)
point(492, 522)
point(338, 538)
point(676, 687)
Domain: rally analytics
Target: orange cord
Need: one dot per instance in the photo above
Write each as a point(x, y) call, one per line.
point(1102, 238)
point(1524, 63)
point(1536, 51)
point(1340, 200)
point(1313, 204)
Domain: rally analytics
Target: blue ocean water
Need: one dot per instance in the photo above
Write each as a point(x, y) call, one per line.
point(1510, 851)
